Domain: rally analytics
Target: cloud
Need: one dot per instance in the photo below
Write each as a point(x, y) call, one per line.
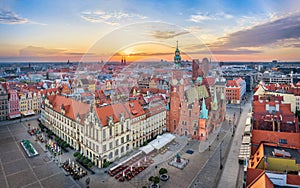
point(167, 34)
point(264, 34)
point(110, 18)
point(200, 17)
point(38, 51)
point(146, 54)
point(9, 17)
point(79, 53)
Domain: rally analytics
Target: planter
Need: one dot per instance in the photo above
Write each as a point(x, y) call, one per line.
point(154, 185)
point(164, 177)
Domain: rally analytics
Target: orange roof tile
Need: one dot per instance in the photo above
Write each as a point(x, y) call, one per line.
point(258, 136)
point(72, 107)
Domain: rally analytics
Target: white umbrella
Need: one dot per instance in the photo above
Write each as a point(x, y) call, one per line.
point(139, 164)
point(131, 168)
point(145, 159)
point(124, 173)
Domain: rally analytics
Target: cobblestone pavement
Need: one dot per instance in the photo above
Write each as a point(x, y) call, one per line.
point(231, 172)
point(201, 171)
point(17, 170)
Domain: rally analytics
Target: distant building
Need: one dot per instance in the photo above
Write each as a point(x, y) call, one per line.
point(235, 90)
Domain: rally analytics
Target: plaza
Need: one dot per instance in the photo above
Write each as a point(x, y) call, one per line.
point(17, 170)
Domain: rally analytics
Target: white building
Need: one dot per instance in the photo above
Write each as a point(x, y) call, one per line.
point(102, 133)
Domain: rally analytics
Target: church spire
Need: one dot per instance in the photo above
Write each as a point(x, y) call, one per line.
point(177, 57)
point(214, 104)
point(204, 111)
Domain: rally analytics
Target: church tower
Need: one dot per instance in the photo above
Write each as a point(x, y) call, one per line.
point(204, 111)
point(177, 58)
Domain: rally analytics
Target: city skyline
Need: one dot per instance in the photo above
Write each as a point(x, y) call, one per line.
point(228, 31)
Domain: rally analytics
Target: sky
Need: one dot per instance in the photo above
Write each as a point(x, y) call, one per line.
point(99, 30)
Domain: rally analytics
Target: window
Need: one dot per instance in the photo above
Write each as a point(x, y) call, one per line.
point(122, 140)
point(104, 148)
point(110, 131)
point(104, 133)
point(282, 141)
point(110, 145)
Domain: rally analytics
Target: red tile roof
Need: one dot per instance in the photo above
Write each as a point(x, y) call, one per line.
point(72, 107)
point(258, 136)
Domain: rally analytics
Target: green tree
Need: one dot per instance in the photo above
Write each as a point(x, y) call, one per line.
point(163, 171)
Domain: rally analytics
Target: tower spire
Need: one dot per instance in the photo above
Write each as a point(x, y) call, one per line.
point(204, 111)
point(177, 44)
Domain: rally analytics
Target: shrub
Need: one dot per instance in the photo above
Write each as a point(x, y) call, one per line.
point(76, 154)
point(163, 171)
point(81, 159)
point(106, 164)
point(151, 178)
point(155, 179)
point(85, 161)
point(90, 164)
point(64, 144)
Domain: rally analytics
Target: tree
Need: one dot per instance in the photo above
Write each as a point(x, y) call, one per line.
point(163, 171)
point(154, 179)
point(76, 154)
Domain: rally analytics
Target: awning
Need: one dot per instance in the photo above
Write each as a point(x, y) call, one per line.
point(14, 116)
point(29, 112)
point(162, 140)
point(147, 149)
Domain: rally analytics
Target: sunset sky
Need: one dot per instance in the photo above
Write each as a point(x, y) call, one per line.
point(55, 30)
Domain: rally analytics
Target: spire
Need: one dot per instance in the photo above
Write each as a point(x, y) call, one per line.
point(177, 57)
point(214, 104)
point(204, 111)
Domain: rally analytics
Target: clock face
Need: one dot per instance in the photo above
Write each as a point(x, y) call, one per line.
point(181, 81)
point(174, 82)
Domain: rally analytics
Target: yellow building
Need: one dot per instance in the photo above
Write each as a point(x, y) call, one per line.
point(275, 158)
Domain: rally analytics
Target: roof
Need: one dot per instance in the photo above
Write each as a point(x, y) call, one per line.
point(293, 139)
point(71, 106)
point(252, 174)
point(129, 109)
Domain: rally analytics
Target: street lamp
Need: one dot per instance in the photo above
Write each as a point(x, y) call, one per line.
point(221, 166)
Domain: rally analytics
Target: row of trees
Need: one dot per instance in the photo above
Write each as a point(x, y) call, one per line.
point(83, 160)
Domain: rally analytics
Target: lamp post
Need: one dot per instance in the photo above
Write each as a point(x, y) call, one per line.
point(221, 166)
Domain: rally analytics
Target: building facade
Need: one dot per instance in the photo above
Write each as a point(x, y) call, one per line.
point(14, 106)
point(235, 90)
point(4, 105)
point(102, 133)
